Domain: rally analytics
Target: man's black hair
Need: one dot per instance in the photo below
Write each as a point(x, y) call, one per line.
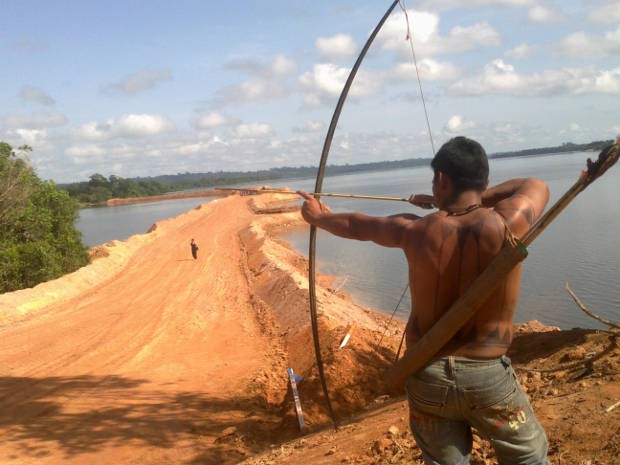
point(465, 162)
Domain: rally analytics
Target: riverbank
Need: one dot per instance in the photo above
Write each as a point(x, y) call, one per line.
point(170, 196)
point(149, 356)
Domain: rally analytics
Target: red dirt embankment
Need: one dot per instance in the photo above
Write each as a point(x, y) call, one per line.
point(148, 356)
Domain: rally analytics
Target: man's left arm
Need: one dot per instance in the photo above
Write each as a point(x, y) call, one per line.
point(387, 231)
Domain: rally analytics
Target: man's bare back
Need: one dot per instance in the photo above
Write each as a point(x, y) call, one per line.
point(446, 252)
point(445, 255)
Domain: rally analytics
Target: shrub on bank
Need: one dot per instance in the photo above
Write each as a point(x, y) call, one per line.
point(38, 238)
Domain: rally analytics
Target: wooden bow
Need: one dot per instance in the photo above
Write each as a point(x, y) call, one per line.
point(317, 191)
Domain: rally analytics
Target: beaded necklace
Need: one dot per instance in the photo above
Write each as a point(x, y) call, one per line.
point(464, 211)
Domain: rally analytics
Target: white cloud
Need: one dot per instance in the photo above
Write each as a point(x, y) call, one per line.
point(34, 94)
point(32, 137)
point(326, 80)
point(605, 81)
point(212, 120)
point(583, 45)
point(252, 130)
point(142, 125)
point(279, 65)
point(430, 70)
point(606, 14)
point(424, 27)
point(35, 121)
point(337, 47)
point(520, 51)
point(140, 81)
point(200, 148)
point(268, 80)
point(427, 39)
point(129, 125)
point(458, 123)
point(258, 89)
point(191, 149)
point(501, 78)
point(310, 127)
point(439, 5)
point(217, 140)
point(282, 66)
point(467, 37)
point(542, 14)
point(92, 131)
point(83, 153)
point(252, 90)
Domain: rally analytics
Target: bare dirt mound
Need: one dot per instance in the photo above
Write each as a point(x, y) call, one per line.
point(148, 356)
point(571, 377)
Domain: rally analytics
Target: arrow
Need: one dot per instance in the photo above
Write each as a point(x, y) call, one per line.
point(245, 191)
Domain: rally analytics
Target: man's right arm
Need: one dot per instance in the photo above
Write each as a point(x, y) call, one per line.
point(520, 201)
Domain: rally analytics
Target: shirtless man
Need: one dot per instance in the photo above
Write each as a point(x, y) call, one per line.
point(471, 382)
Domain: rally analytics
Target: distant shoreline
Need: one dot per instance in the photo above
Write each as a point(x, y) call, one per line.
point(170, 196)
point(336, 170)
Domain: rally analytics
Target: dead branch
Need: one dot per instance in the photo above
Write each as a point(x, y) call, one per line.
point(588, 312)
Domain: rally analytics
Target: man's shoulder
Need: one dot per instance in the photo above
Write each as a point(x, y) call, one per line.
point(427, 224)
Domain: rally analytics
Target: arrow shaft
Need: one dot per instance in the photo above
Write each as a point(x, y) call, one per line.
point(321, 194)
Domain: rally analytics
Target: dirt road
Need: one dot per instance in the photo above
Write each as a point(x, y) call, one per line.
point(150, 366)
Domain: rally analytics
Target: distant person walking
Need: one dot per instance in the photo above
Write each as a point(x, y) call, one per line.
point(194, 247)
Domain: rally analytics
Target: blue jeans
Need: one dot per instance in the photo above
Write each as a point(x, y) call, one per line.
point(453, 394)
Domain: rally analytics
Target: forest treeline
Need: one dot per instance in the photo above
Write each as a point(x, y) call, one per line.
point(564, 148)
point(38, 239)
point(98, 188)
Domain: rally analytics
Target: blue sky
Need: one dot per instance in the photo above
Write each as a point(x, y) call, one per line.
point(141, 88)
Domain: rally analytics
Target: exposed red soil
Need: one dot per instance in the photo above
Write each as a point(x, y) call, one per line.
point(147, 356)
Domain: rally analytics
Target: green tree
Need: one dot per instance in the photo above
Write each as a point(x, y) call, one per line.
point(16, 182)
point(38, 239)
point(99, 189)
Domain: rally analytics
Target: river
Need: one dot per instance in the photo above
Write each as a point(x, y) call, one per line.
point(578, 247)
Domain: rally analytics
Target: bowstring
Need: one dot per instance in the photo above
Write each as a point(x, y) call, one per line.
point(387, 325)
point(401, 4)
point(409, 39)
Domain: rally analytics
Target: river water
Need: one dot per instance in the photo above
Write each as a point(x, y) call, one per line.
point(103, 224)
point(578, 247)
